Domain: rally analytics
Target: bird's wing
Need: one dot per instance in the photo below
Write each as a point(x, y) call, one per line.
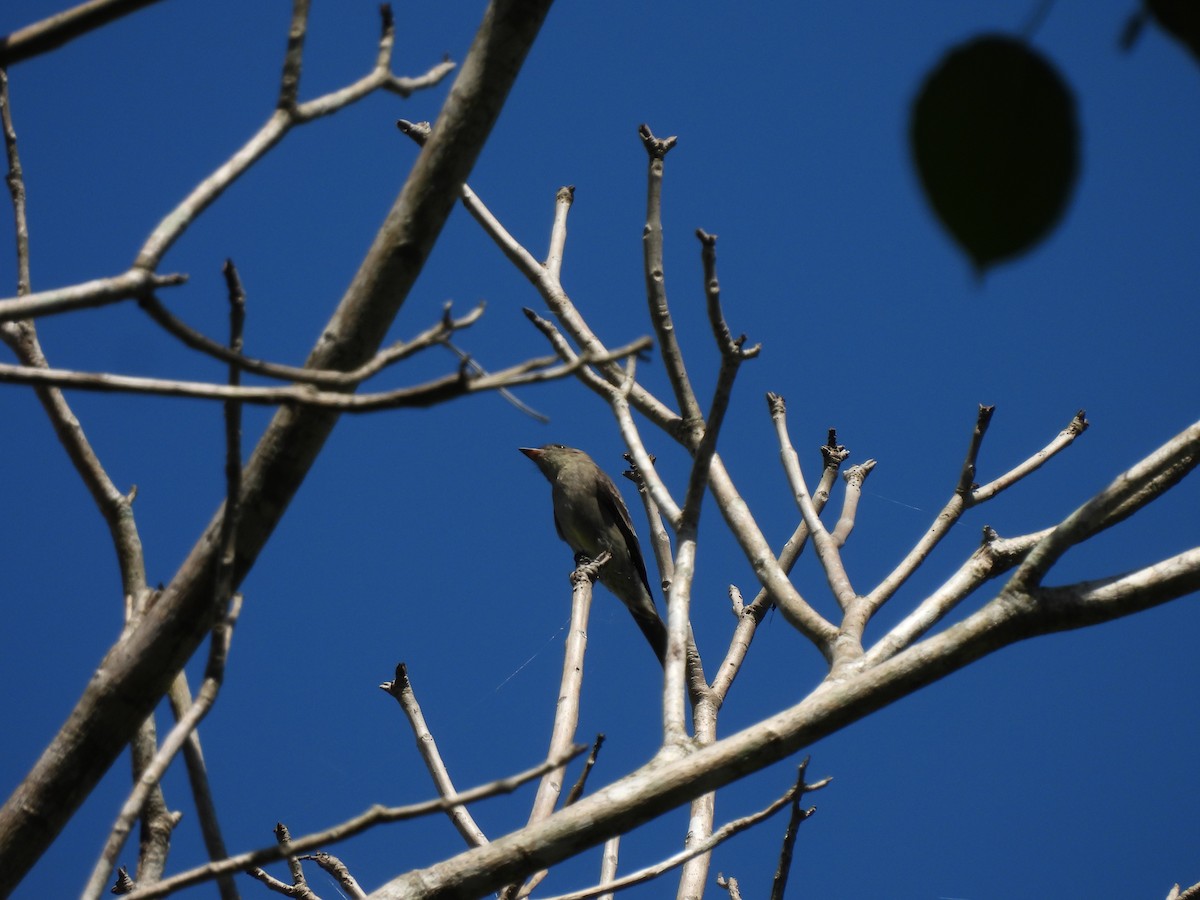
point(611, 501)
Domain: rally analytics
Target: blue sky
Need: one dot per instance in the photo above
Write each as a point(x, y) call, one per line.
point(1062, 767)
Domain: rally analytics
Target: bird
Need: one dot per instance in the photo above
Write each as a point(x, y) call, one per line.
point(591, 517)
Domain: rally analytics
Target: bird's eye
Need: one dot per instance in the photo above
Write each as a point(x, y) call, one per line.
point(559, 446)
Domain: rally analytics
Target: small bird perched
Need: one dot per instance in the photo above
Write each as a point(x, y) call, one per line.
point(591, 517)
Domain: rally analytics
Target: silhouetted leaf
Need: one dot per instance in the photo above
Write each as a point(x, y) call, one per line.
point(995, 142)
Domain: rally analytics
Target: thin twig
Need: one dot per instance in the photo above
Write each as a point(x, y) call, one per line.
point(570, 685)
point(730, 884)
point(16, 187)
point(993, 558)
point(339, 871)
point(854, 478)
point(293, 58)
point(779, 882)
point(705, 702)
point(439, 390)
point(180, 696)
point(279, 123)
point(653, 266)
point(558, 232)
point(400, 687)
point(580, 784)
point(1077, 426)
point(967, 495)
point(134, 283)
point(156, 819)
point(718, 837)
point(21, 336)
point(139, 668)
point(566, 710)
point(827, 550)
point(331, 378)
point(54, 31)
point(376, 815)
point(302, 892)
point(213, 676)
point(508, 395)
point(749, 615)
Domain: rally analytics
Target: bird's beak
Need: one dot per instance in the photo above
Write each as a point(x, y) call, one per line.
point(532, 452)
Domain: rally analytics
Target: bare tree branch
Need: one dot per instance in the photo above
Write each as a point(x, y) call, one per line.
point(206, 810)
point(149, 779)
point(16, 187)
point(724, 833)
point(286, 115)
point(376, 815)
point(140, 281)
point(654, 269)
point(134, 283)
point(566, 709)
point(779, 882)
point(401, 350)
point(137, 672)
point(826, 546)
point(666, 782)
point(51, 33)
point(966, 495)
point(1148, 479)
point(401, 689)
point(21, 336)
point(439, 390)
point(338, 870)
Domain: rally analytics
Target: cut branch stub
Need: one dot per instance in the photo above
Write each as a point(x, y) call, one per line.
point(418, 131)
point(832, 452)
point(656, 147)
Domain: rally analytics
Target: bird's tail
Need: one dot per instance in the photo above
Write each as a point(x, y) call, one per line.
point(655, 631)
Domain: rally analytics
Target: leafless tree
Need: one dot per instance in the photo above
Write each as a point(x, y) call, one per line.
point(166, 626)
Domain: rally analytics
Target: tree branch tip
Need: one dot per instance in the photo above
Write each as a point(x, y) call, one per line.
point(399, 682)
point(418, 131)
point(387, 18)
point(656, 147)
point(566, 193)
point(535, 318)
point(834, 454)
point(776, 404)
point(708, 240)
point(633, 473)
point(124, 884)
point(171, 280)
point(1079, 424)
point(750, 352)
point(858, 474)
